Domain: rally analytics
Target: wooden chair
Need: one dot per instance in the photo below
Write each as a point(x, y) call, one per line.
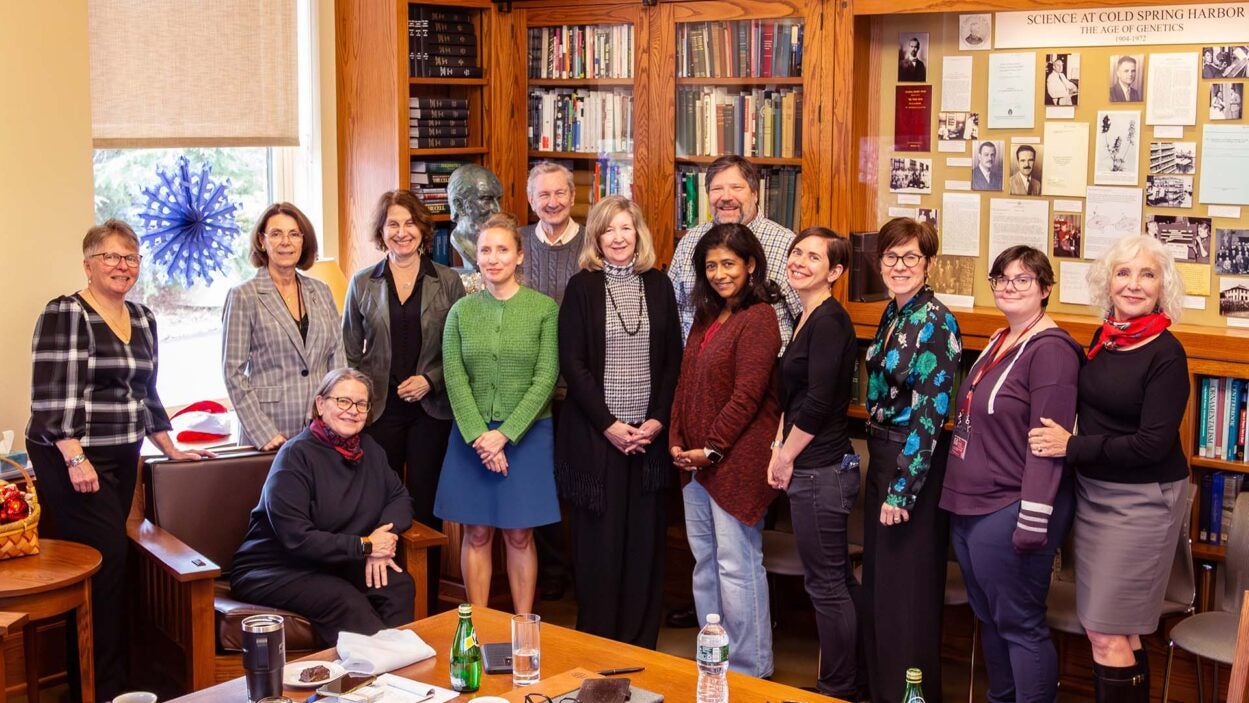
point(10, 623)
point(196, 516)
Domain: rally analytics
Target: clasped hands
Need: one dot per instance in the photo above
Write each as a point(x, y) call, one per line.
point(385, 547)
point(489, 447)
point(628, 439)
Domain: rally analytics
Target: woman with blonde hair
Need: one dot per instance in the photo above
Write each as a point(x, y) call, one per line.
point(620, 352)
point(1131, 471)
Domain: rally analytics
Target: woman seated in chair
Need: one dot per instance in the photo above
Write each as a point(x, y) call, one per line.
point(322, 540)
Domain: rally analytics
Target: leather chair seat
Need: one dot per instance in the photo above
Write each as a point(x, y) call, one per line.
point(229, 619)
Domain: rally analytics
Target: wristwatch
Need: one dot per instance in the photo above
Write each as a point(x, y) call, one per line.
point(367, 545)
point(715, 456)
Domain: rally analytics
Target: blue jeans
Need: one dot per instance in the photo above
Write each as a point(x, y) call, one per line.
point(729, 579)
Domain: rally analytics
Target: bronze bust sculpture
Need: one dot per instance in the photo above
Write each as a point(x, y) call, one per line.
point(474, 194)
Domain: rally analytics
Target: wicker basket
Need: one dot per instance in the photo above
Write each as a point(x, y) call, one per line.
point(21, 538)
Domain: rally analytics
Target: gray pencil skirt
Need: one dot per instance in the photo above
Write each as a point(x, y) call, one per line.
point(1125, 536)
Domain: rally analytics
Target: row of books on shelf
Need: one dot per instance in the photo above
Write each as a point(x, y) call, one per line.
point(442, 43)
point(429, 183)
point(581, 52)
point(1217, 497)
point(437, 123)
point(780, 192)
point(740, 49)
point(754, 123)
point(1222, 404)
point(579, 119)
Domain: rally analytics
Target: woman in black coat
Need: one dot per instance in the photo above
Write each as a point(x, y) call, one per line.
point(620, 353)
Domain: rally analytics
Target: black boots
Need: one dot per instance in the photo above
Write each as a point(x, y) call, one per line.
point(1122, 684)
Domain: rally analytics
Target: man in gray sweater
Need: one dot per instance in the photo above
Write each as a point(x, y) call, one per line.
point(554, 243)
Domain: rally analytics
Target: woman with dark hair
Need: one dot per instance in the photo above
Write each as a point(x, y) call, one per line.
point(812, 458)
point(392, 332)
point(322, 540)
point(724, 415)
point(281, 331)
point(93, 400)
point(620, 352)
point(1131, 468)
point(501, 358)
point(911, 364)
point(1010, 510)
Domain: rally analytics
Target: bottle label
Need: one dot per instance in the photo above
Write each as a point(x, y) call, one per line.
point(470, 641)
point(713, 655)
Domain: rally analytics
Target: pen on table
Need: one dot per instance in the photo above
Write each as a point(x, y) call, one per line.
point(625, 670)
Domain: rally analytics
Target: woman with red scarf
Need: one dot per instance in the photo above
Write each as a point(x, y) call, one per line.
point(1131, 471)
point(322, 540)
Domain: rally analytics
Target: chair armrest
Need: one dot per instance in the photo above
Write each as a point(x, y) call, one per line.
point(181, 562)
point(420, 536)
point(10, 622)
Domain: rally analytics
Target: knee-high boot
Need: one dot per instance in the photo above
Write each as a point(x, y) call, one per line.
point(1119, 684)
point(1142, 666)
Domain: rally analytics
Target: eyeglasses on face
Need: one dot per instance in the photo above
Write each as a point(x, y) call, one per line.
point(1020, 283)
point(112, 258)
point(891, 259)
point(347, 403)
point(278, 235)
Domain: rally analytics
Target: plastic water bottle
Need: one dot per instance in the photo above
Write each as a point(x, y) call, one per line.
point(713, 662)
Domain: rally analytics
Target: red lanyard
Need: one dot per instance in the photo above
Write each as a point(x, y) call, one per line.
point(995, 358)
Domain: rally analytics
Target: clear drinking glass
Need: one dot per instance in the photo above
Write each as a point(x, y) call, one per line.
point(526, 649)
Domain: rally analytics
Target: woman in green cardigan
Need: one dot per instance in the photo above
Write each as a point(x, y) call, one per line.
point(500, 361)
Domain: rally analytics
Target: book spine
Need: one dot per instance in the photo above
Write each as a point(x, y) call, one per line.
point(1233, 418)
point(1211, 416)
point(420, 132)
point(1241, 415)
point(1231, 489)
point(438, 143)
point(1216, 508)
point(434, 13)
point(424, 103)
point(1202, 394)
point(1203, 509)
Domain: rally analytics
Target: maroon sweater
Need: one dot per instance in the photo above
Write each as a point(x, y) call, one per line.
point(726, 397)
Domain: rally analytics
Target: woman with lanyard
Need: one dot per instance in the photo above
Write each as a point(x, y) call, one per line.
point(911, 364)
point(1010, 510)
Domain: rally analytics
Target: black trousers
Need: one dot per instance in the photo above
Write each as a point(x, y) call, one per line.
point(415, 441)
point(618, 558)
point(97, 520)
point(904, 570)
point(334, 599)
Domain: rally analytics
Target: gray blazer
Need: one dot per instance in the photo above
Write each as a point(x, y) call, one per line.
point(366, 332)
point(270, 372)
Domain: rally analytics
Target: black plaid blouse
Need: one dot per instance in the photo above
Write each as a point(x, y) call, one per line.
point(87, 384)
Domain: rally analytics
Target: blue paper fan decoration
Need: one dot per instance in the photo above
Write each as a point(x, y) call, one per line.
point(189, 221)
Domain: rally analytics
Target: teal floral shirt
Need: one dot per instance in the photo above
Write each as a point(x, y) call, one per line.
point(910, 379)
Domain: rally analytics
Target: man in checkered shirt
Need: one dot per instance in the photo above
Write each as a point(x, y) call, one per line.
point(733, 192)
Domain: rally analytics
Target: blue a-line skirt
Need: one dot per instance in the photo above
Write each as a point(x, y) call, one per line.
point(471, 494)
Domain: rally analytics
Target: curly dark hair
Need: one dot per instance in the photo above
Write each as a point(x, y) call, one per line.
point(738, 239)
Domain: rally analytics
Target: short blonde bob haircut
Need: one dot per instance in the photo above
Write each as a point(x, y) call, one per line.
point(597, 222)
point(1101, 274)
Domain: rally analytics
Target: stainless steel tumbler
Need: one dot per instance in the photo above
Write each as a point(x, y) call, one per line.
point(264, 655)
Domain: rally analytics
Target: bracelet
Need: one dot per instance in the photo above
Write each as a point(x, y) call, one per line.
point(778, 444)
point(76, 460)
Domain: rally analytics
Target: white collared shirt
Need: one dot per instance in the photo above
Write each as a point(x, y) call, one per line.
point(569, 233)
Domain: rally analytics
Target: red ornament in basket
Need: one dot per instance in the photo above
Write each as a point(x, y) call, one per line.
point(19, 517)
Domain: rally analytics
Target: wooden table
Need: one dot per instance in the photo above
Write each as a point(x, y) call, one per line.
point(562, 649)
point(53, 582)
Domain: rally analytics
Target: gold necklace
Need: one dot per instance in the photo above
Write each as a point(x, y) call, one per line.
point(121, 327)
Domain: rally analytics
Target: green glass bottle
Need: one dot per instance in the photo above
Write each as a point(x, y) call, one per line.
point(913, 692)
point(465, 654)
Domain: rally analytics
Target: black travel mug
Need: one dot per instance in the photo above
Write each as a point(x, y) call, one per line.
point(264, 655)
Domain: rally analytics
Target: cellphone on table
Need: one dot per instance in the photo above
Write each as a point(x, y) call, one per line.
point(345, 684)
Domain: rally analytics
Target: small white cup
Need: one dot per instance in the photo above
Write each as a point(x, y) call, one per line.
point(489, 699)
point(136, 697)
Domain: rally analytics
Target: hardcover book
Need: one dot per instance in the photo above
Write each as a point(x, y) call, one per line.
point(912, 118)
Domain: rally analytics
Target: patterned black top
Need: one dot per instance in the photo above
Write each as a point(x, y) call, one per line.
point(910, 375)
point(87, 383)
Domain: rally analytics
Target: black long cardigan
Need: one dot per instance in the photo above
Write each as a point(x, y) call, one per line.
point(581, 450)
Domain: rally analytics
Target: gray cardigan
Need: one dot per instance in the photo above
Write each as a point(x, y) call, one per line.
point(366, 332)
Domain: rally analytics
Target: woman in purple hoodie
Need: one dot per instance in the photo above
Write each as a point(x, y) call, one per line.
point(1010, 510)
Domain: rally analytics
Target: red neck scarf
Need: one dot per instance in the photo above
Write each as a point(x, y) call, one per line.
point(348, 447)
point(1116, 334)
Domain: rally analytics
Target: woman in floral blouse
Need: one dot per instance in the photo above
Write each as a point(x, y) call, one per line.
point(911, 365)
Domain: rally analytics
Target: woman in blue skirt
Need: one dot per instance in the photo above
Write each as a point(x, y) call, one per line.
point(500, 361)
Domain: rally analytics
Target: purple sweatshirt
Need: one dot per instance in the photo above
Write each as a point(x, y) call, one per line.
point(1038, 379)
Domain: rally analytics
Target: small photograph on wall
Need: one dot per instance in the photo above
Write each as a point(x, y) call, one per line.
point(1169, 191)
point(953, 275)
point(910, 175)
point(1225, 61)
point(1173, 157)
point(1226, 100)
point(1127, 78)
point(1188, 238)
point(1117, 148)
point(1025, 169)
point(913, 57)
point(1068, 231)
point(1234, 297)
point(1231, 253)
point(975, 32)
point(986, 165)
point(1062, 79)
point(952, 126)
point(929, 215)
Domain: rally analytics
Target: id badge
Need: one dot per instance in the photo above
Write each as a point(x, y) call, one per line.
point(958, 443)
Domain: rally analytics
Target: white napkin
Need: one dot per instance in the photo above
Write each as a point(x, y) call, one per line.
point(386, 651)
point(401, 690)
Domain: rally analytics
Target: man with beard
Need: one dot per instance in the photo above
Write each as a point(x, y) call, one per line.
point(1024, 180)
point(554, 243)
point(733, 193)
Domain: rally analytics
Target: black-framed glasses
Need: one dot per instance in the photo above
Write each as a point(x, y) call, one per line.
point(543, 698)
point(112, 258)
point(910, 259)
point(347, 403)
point(1020, 283)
